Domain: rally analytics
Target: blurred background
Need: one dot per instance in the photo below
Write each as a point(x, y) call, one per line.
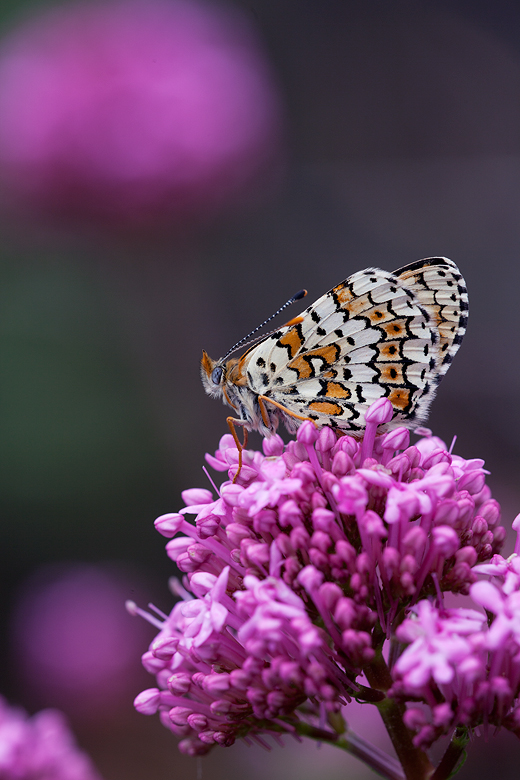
point(170, 173)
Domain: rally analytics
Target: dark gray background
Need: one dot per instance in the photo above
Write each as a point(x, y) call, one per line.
point(403, 141)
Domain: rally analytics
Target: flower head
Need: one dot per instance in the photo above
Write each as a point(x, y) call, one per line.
point(139, 111)
point(39, 747)
point(297, 573)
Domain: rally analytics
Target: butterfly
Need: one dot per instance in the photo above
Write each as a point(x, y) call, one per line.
point(377, 334)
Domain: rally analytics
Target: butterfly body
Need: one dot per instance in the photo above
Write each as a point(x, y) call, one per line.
point(375, 335)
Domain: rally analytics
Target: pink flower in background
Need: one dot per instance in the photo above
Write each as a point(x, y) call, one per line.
point(136, 111)
point(73, 642)
point(40, 748)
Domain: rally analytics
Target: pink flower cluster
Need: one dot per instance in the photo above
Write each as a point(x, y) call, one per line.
point(464, 666)
point(39, 747)
point(297, 574)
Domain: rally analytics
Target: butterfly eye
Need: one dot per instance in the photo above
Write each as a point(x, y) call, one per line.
point(216, 375)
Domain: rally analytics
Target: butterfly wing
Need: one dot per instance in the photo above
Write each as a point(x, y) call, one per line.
point(376, 334)
point(441, 290)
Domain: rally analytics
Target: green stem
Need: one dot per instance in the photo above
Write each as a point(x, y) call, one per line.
point(376, 759)
point(415, 762)
point(452, 756)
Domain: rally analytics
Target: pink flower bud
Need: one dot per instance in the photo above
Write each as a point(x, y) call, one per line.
point(446, 540)
point(326, 439)
point(436, 457)
point(197, 496)
point(442, 715)
point(147, 702)
point(466, 555)
point(201, 582)
point(207, 737)
point(197, 721)
point(151, 663)
point(346, 552)
point(447, 512)
point(479, 526)
point(179, 715)
point(414, 456)
point(235, 532)
point(330, 593)
point(341, 464)
point(273, 446)
point(223, 738)
point(307, 433)
point(499, 537)
point(179, 683)
point(216, 683)
point(299, 538)
point(379, 412)
point(310, 578)
point(289, 514)
point(398, 439)
point(321, 541)
point(348, 445)
point(318, 559)
point(472, 481)
point(164, 647)
point(345, 613)
point(231, 494)
point(490, 511)
point(168, 525)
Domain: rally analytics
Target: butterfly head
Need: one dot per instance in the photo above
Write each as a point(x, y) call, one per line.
point(219, 376)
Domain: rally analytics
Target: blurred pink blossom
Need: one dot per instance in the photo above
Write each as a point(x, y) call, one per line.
point(73, 641)
point(136, 112)
point(39, 748)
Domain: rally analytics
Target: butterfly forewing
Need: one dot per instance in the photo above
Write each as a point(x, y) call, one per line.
point(376, 334)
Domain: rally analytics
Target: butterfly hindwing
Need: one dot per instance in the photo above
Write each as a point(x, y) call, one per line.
point(441, 290)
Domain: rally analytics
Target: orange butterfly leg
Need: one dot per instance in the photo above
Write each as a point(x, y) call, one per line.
point(232, 421)
point(263, 399)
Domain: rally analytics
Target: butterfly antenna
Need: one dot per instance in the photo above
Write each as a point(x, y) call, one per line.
point(299, 295)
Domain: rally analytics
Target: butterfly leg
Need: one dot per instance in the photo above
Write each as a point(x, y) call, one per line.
point(263, 399)
point(232, 421)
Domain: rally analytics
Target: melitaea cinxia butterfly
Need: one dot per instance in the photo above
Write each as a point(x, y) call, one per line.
point(377, 334)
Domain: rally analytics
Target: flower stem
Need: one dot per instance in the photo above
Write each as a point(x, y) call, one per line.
point(416, 764)
point(376, 759)
point(452, 755)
